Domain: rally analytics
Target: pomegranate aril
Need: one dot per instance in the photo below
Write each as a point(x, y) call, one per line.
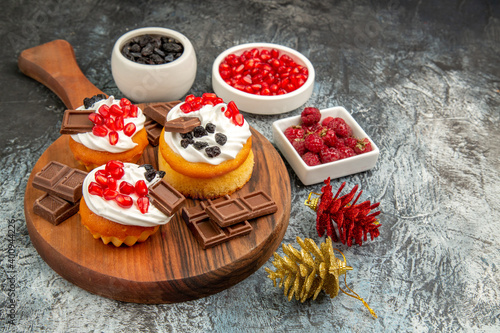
point(109, 194)
point(189, 98)
point(141, 188)
point(233, 108)
point(124, 102)
point(186, 107)
point(112, 183)
point(126, 111)
point(238, 119)
point(275, 53)
point(124, 201)
point(104, 110)
point(209, 96)
point(113, 164)
point(101, 172)
point(143, 204)
point(113, 138)
point(133, 111)
point(115, 110)
point(99, 130)
point(119, 123)
point(95, 189)
point(110, 123)
point(126, 188)
point(96, 118)
point(101, 180)
point(129, 129)
point(117, 173)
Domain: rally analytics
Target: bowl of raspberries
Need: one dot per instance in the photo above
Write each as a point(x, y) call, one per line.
point(324, 143)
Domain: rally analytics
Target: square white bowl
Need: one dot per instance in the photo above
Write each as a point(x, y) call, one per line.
point(316, 174)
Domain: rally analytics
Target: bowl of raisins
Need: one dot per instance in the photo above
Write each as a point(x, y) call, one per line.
point(153, 64)
point(324, 143)
point(263, 78)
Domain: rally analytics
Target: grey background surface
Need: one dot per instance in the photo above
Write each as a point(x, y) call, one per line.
point(421, 77)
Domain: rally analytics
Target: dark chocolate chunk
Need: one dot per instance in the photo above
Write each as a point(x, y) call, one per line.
point(61, 181)
point(182, 124)
point(153, 131)
point(166, 198)
point(228, 212)
point(76, 121)
point(54, 209)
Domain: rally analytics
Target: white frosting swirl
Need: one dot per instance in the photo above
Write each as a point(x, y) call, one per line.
point(236, 135)
point(101, 143)
point(110, 210)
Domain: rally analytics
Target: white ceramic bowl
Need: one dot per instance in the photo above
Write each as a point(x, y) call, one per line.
point(316, 174)
point(154, 83)
point(258, 104)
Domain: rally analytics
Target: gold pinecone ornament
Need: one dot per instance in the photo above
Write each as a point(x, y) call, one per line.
point(305, 273)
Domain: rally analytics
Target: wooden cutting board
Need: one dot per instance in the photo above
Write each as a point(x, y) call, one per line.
point(170, 266)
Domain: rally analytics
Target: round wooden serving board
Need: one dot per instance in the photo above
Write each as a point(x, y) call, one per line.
point(170, 266)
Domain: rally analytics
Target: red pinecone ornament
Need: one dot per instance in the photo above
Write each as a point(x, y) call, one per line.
point(354, 222)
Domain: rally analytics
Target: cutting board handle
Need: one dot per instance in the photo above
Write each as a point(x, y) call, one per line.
point(54, 65)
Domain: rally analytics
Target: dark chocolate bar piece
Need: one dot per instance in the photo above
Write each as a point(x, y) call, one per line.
point(166, 198)
point(228, 212)
point(54, 209)
point(205, 230)
point(247, 207)
point(76, 121)
point(259, 203)
point(182, 124)
point(60, 180)
point(154, 132)
point(158, 111)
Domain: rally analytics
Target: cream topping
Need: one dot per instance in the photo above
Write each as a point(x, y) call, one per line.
point(236, 135)
point(110, 210)
point(101, 143)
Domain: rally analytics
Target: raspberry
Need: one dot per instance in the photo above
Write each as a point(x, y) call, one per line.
point(311, 158)
point(339, 143)
point(329, 155)
point(340, 127)
point(294, 132)
point(329, 137)
point(346, 152)
point(350, 142)
point(326, 121)
point(310, 116)
point(315, 128)
point(363, 146)
point(300, 146)
point(314, 143)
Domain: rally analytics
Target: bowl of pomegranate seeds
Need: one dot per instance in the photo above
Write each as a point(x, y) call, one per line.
point(324, 143)
point(263, 78)
point(153, 64)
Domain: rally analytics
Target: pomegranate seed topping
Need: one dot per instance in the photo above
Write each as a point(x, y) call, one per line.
point(109, 194)
point(126, 111)
point(96, 118)
point(124, 201)
point(233, 108)
point(119, 123)
point(95, 189)
point(124, 102)
point(117, 173)
point(133, 111)
point(104, 110)
point(101, 172)
point(218, 101)
point(189, 98)
point(209, 96)
point(143, 204)
point(113, 164)
point(115, 110)
point(238, 119)
point(129, 129)
point(112, 183)
point(126, 188)
point(227, 114)
point(99, 130)
point(141, 188)
point(110, 123)
point(186, 107)
point(101, 180)
point(113, 138)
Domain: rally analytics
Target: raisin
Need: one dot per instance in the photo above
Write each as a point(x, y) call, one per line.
point(199, 131)
point(220, 138)
point(188, 135)
point(200, 145)
point(186, 142)
point(150, 175)
point(148, 167)
point(88, 102)
point(160, 174)
point(210, 127)
point(213, 151)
